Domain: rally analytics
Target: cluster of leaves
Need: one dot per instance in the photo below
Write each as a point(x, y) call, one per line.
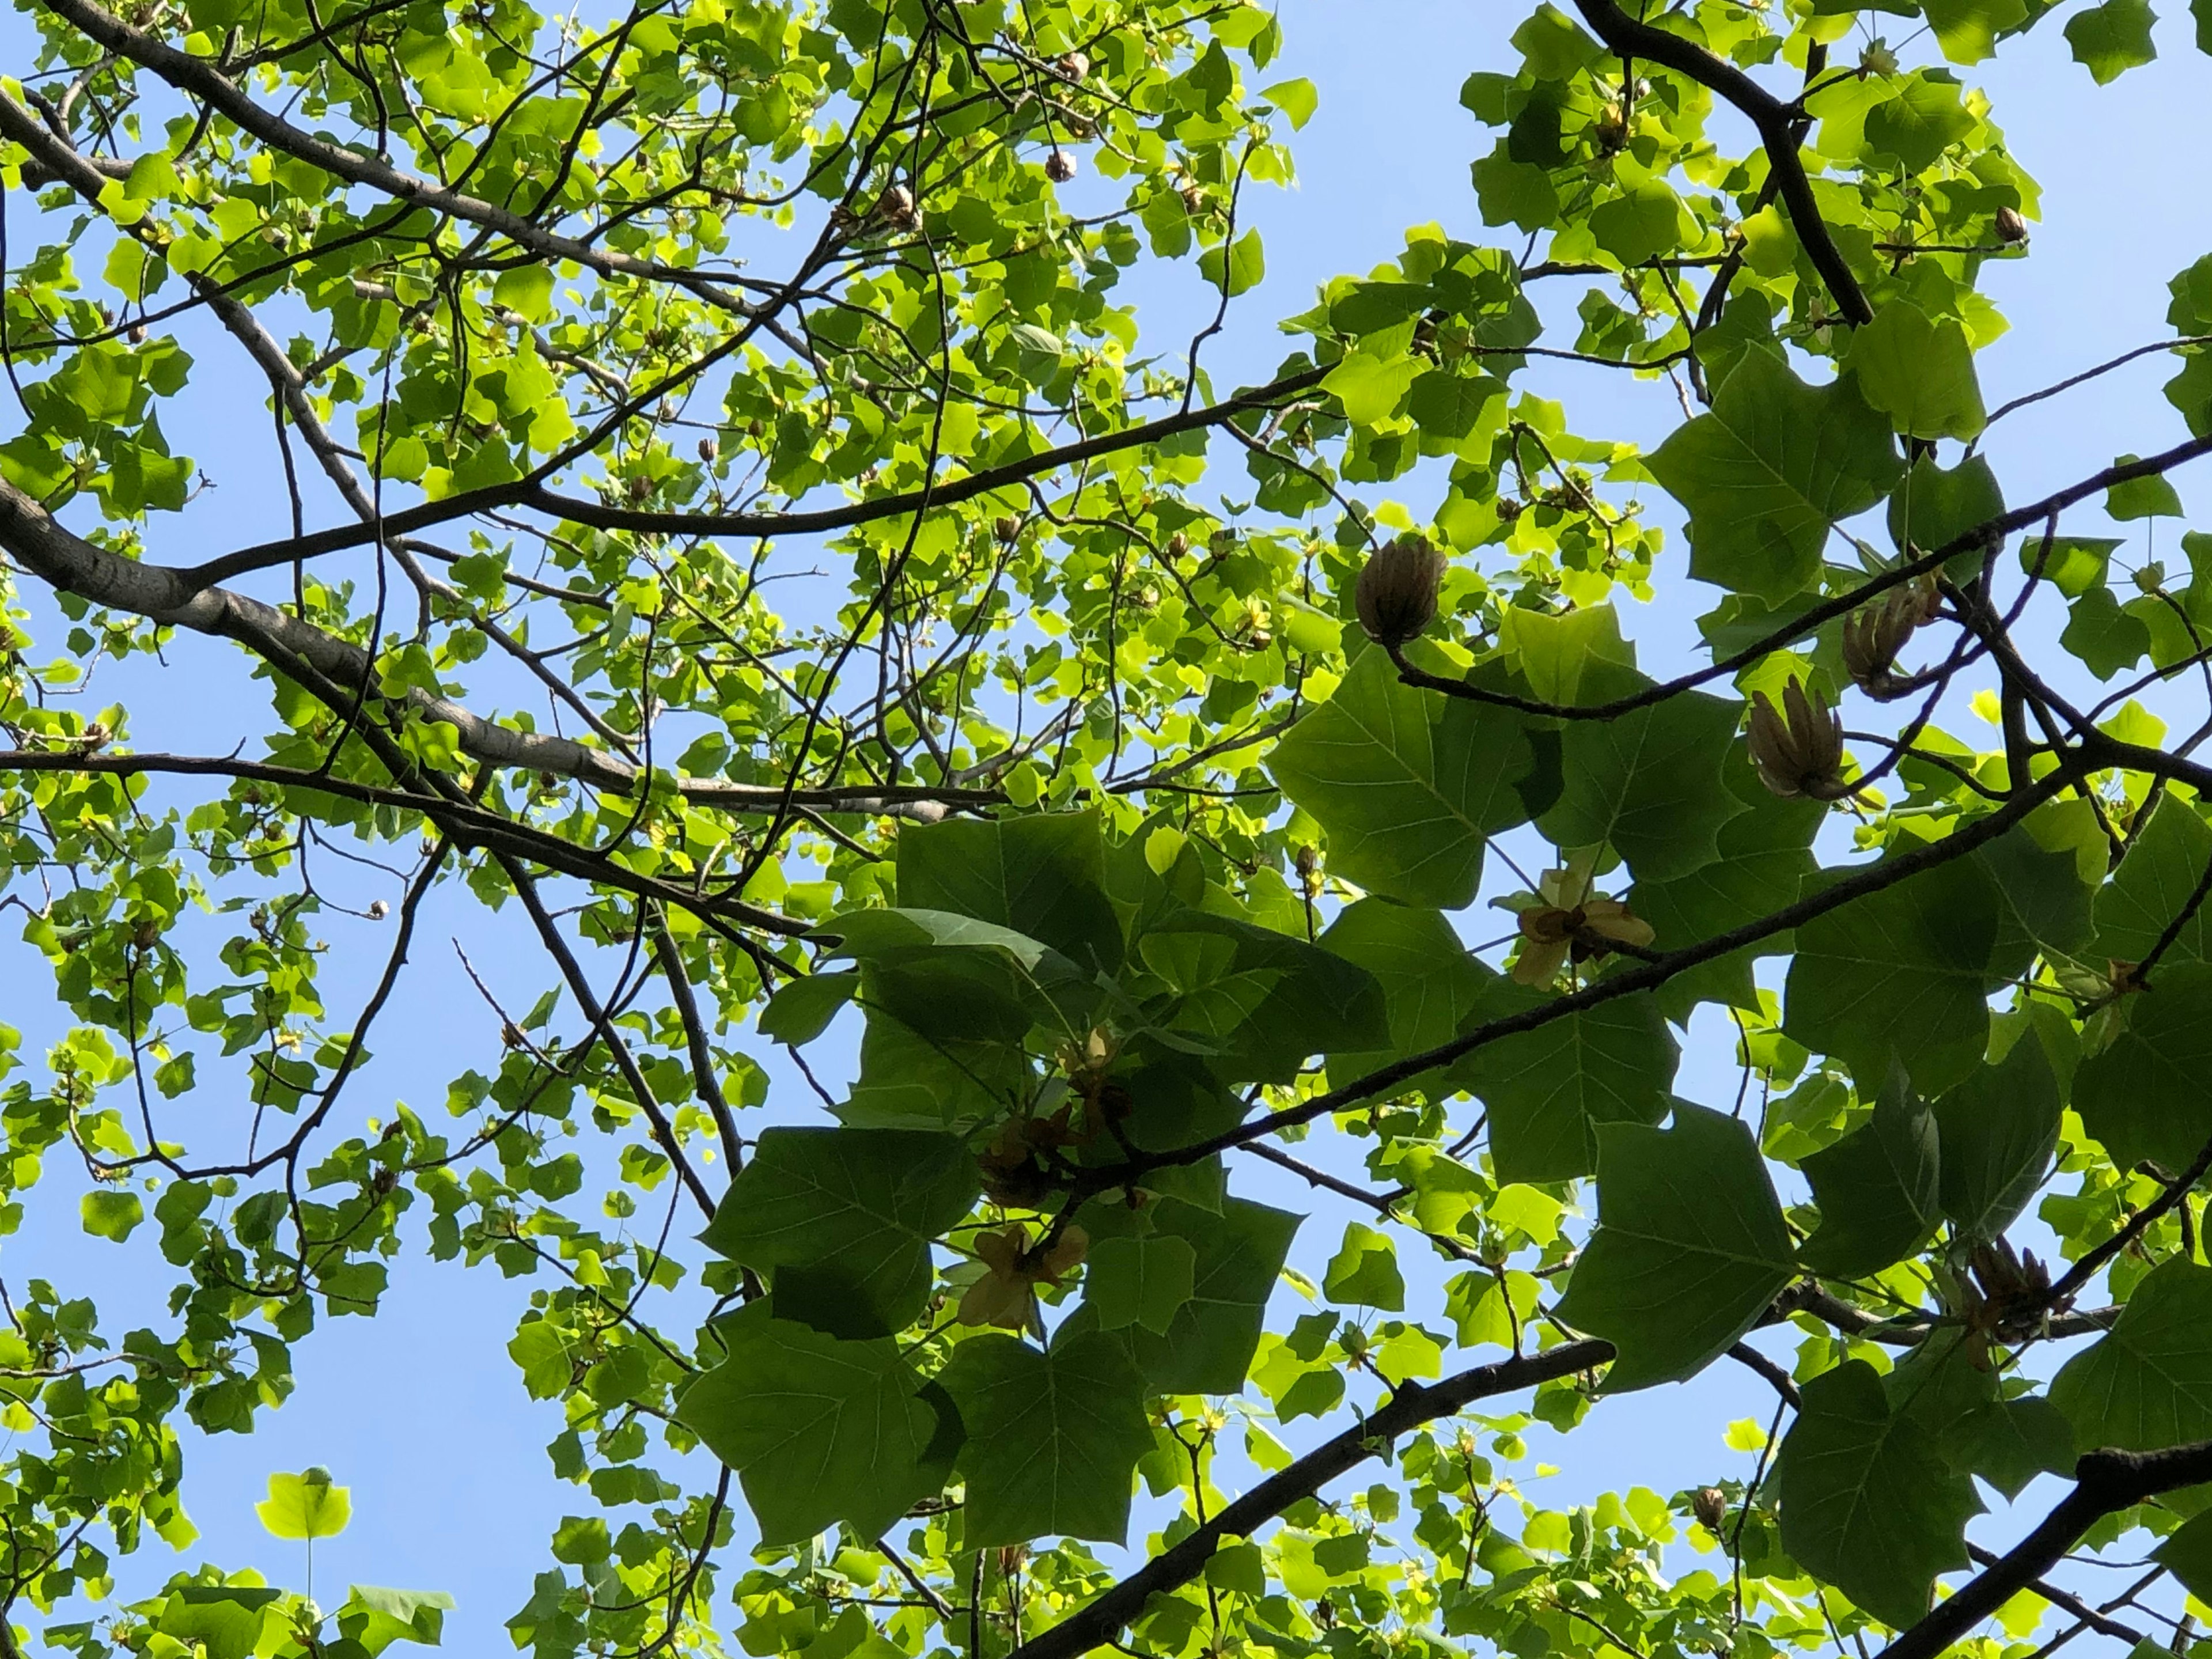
point(1073, 791)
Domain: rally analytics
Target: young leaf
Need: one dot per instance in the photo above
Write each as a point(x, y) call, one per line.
point(305, 1505)
point(1691, 1248)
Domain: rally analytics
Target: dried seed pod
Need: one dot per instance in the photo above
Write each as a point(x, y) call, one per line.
point(1874, 634)
point(378, 909)
point(1007, 527)
point(706, 449)
point(1710, 1505)
point(1798, 749)
point(1397, 596)
point(895, 209)
point(1178, 544)
point(1060, 166)
point(1072, 66)
point(2011, 227)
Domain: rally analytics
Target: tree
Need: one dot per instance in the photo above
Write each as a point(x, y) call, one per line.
point(742, 544)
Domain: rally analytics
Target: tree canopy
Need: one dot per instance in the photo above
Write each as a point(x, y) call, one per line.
point(750, 547)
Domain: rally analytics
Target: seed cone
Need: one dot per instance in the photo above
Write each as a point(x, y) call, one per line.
point(1798, 749)
point(1397, 596)
point(1873, 636)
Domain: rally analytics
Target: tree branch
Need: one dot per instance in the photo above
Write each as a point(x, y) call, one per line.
point(1774, 119)
point(1098, 1622)
point(2104, 1482)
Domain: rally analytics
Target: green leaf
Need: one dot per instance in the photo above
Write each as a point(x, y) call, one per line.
point(1998, 1130)
point(305, 1505)
point(2113, 39)
point(1239, 266)
point(1041, 874)
point(1924, 118)
point(1549, 1091)
point(2147, 1094)
point(2147, 1383)
point(1690, 1250)
point(1140, 1281)
point(1769, 470)
point(1868, 1502)
point(2105, 638)
point(1053, 1439)
point(1262, 1000)
point(819, 1430)
point(1429, 983)
point(1932, 507)
point(1876, 1187)
point(2187, 1554)
point(1409, 785)
point(1648, 782)
point(2165, 859)
point(1966, 31)
point(2152, 497)
point(1239, 1253)
point(2073, 564)
point(1364, 1272)
point(1765, 857)
point(1902, 972)
point(1641, 222)
point(226, 1620)
point(111, 1214)
point(1918, 371)
point(802, 1010)
point(1296, 100)
point(377, 1618)
point(840, 1221)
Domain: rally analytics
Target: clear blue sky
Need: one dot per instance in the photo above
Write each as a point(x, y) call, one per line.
point(420, 1411)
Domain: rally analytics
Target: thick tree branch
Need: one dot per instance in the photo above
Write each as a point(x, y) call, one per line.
point(1775, 120)
point(1098, 1622)
point(2104, 1482)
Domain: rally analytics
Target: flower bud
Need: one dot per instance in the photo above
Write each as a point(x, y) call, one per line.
point(1397, 596)
point(1711, 1507)
point(2011, 227)
point(1799, 749)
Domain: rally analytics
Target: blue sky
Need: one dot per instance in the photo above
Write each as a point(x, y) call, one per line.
point(419, 1410)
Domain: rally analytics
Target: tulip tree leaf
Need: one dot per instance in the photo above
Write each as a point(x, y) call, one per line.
point(819, 1430)
point(1769, 470)
point(1998, 1130)
point(1549, 1091)
point(2110, 39)
point(1691, 1246)
point(2147, 1094)
point(1043, 876)
point(1140, 1281)
point(305, 1505)
point(1876, 1187)
point(2146, 1382)
point(1409, 785)
point(2165, 860)
point(1904, 972)
point(1765, 857)
point(1238, 1255)
point(1648, 782)
point(840, 1221)
point(1918, 370)
point(1868, 1502)
point(1429, 982)
point(1053, 1438)
point(2187, 1554)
